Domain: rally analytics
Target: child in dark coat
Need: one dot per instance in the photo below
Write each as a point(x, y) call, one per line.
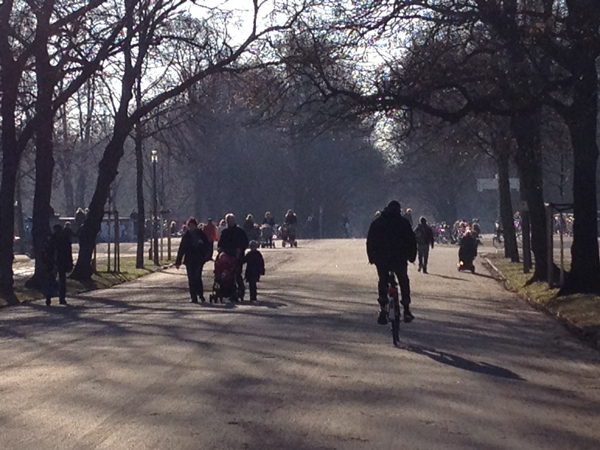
point(255, 267)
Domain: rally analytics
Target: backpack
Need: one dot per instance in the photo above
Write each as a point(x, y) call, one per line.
point(421, 236)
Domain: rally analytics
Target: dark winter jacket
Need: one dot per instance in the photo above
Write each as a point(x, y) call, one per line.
point(233, 240)
point(269, 221)
point(424, 235)
point(391, 240)
point(291, 220)
point(194, 248)
point(57, 252)
point(255, 265)
point(248, 226)
point(468, 248)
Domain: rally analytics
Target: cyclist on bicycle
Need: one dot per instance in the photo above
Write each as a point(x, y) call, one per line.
point(391, 243)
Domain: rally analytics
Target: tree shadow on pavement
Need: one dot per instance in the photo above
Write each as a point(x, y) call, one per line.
point(462, 363)
point(446, 277)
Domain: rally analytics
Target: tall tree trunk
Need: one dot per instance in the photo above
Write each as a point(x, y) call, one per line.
point(581, 119)
point(81, 187)
point(106, 175)
point(44, 152)
point(10, 167)
point(141, 207)
point(12, 149)
point(526, 129)
point(511, 249)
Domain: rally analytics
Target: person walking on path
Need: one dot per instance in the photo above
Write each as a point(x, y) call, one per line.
point(391, 243)
point(212, 234)
point(255, 267)
point(194, 251)
point(234, 242)
point(268, 219)
point(424, 237)
point(346, 225)
point(408, 216)
point(59, 259)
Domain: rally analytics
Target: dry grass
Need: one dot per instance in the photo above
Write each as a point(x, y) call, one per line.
point(580, 311)
point(101, 280)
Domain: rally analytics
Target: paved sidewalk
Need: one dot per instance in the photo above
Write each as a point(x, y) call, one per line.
point(138, 367)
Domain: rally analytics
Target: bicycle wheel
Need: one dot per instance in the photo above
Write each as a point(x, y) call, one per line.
point(396, 324)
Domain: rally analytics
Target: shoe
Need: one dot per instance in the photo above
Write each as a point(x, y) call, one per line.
point(63, 302)
point(382, 319)
point(408, 317)
point(194, 300)
point(202, 299)
point(48, 302)
point(425, 271)
point(419, 269)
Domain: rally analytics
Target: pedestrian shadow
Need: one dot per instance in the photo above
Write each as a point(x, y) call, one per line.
point(462, 363)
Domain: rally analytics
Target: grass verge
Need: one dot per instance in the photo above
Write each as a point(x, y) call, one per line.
point(580, 312)
point(100, 280)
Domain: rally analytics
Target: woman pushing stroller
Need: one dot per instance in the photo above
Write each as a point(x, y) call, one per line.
point(234, 242)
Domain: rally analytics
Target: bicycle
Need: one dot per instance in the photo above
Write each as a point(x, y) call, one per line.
point(393, 307)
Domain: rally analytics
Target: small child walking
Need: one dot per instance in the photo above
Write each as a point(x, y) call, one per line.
point(255, 267)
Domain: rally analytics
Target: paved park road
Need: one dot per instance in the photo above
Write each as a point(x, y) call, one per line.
point(138, 367)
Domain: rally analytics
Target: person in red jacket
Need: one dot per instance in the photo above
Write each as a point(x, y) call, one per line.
point(212, 234)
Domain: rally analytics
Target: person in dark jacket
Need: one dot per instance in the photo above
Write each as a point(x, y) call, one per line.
point(249, 224)
point(255, 267)
point(59, 259)
point(290, 218)
point(268, 219)
point(424, 236)
point(234, 242)
point(194, 251)
point(391, 243)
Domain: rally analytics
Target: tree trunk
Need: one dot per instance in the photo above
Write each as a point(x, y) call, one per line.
point(526, 129)
point(10, 167)
point(81, 186)
point(511, 249)
point(141, 207)
point(584, 276)
point(106, 175)
point(11, 155)
point(44, 152)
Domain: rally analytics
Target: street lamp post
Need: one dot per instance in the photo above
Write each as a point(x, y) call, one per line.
point(154, 159)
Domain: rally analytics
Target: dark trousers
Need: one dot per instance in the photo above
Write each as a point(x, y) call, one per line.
point(252, 283)
point(241, 287)
point(423, 251)
point(62, 285)
point(401, 272)
point(194, 273)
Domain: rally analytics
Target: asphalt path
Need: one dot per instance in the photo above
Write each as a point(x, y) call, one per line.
point(307, 367)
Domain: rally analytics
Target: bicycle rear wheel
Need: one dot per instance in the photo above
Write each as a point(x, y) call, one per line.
point(497, 242)
point(396, 323)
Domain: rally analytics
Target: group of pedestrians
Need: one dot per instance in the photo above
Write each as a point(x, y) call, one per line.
point(196, 249)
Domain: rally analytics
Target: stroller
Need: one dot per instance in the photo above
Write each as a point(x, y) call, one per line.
point(227, 271)
point(288, 234)
point(266, 236)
